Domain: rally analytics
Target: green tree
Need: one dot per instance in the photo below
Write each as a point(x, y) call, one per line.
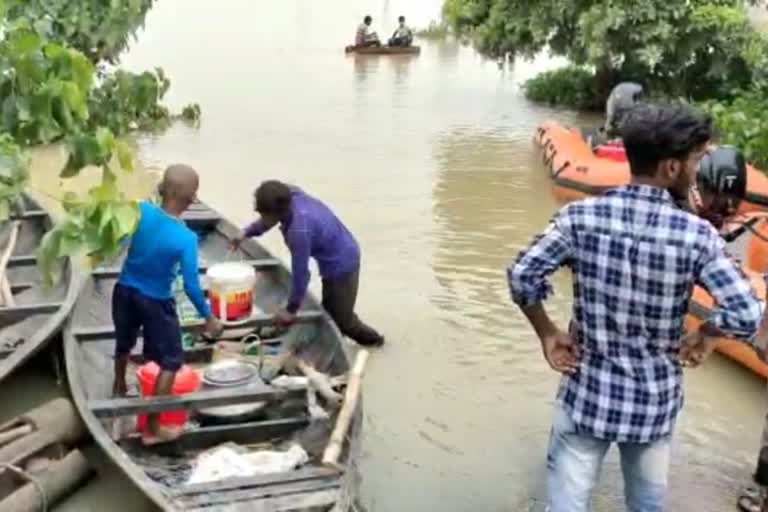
point(51, 91)
point(697, 49)
point(99, 29)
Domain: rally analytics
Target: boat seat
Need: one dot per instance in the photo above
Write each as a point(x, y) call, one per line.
point(107, 332)
point(9, 315)
point(114, 407)
point(306, 487)
point(258, 264)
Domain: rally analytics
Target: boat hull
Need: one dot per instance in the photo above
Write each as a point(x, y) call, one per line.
point(577, 172)
point(40, 312)
point(383, 50)
point(89, 342)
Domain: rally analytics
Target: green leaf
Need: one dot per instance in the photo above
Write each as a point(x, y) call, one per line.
point(25, 42)
point(127, 217)
point(75, 99)
point(124, 156)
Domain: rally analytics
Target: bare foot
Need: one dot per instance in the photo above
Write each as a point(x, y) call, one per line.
point(163, 435)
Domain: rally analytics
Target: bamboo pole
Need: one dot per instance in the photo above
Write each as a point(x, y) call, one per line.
point(351, 396)
point(320, 381)
point(14, 434)
point(6, 298)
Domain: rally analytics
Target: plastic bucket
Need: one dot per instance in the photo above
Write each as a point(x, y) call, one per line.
point(187, 381)
point(231, 287)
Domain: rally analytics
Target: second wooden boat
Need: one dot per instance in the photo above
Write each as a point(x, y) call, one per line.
point(383, 50)
point(263, 413)
point(36, 312)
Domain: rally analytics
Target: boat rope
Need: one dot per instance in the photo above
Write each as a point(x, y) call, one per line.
point(34, 481)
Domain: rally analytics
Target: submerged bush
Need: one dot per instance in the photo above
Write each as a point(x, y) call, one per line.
point(571, 86)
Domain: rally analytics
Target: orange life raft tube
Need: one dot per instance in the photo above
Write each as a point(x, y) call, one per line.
point(749, 245)
point(578, 172)
point(737, 350)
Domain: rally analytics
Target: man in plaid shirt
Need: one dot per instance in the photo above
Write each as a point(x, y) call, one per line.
point(635, 257)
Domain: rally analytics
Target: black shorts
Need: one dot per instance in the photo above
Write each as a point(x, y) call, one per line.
point(131, 310)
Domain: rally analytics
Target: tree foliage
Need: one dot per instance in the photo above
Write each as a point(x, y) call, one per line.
point(51, 91)
point(699, 49)
point(742, 122)
point(99, 29)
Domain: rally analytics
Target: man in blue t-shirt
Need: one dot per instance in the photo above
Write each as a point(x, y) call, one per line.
point(311, 229)
point(142, 299)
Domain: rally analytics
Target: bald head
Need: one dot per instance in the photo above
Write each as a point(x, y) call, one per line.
point(179, 186)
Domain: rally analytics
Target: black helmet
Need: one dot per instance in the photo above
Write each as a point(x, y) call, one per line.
point(723, 172)
point(622, 99)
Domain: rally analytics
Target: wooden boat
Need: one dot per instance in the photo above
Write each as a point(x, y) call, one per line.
point(578, 172)
point(162, 471)
point(383, 50)
point(38, 312)
point(747, 246)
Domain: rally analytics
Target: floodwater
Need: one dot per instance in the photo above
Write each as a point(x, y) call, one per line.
point(429, 161)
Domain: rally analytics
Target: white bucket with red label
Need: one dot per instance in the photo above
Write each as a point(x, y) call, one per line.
point(231, 286)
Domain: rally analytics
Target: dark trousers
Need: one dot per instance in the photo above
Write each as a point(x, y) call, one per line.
point(339, 296)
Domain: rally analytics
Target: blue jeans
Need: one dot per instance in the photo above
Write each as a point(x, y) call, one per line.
point(573, 468)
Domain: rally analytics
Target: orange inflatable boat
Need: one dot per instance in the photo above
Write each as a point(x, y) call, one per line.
point(578, 172)
point(749, 244)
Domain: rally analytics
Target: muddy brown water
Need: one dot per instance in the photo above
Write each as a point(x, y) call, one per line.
point(429, 161)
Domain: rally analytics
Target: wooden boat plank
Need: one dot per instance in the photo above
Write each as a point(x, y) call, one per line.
point(264, 263)
point(17, 288)
point(107, 332)
point(260, 493)
point(9, 315)
point(294, 502)
point(111, 407)
point(300, 475)
point(192, 355)
point(245, 433)
point(22, 260)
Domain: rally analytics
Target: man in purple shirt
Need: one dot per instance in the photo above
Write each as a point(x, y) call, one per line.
point(310, 228)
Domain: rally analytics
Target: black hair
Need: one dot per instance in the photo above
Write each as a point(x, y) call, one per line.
point(273, 198)
point(401, 18)
point(367, 19)
point(654, 133)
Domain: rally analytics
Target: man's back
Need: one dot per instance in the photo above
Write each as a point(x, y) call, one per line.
point(635, 258)
point(156, 251)
point(329, 241)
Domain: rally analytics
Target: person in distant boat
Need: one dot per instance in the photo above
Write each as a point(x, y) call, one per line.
point(623, 98)
point(403, 36)
point(311, 229)
point(364, 36)
point(142, 298)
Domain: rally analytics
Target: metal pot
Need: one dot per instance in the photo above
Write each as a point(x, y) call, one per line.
point(232, 374)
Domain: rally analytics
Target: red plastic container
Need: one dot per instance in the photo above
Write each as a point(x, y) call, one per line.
point(187, 381)
point(612, 151)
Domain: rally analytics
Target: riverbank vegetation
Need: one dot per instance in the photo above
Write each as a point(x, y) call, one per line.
point(56, 88)
point(703, 51)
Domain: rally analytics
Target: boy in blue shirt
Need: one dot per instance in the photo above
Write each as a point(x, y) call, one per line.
point(142, 297)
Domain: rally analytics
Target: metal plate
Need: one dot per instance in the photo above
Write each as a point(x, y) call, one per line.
point(230, 372)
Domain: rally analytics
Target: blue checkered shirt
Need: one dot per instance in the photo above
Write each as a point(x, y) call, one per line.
point(635, 257)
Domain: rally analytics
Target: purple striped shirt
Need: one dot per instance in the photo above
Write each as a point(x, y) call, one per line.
point(312, 229)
